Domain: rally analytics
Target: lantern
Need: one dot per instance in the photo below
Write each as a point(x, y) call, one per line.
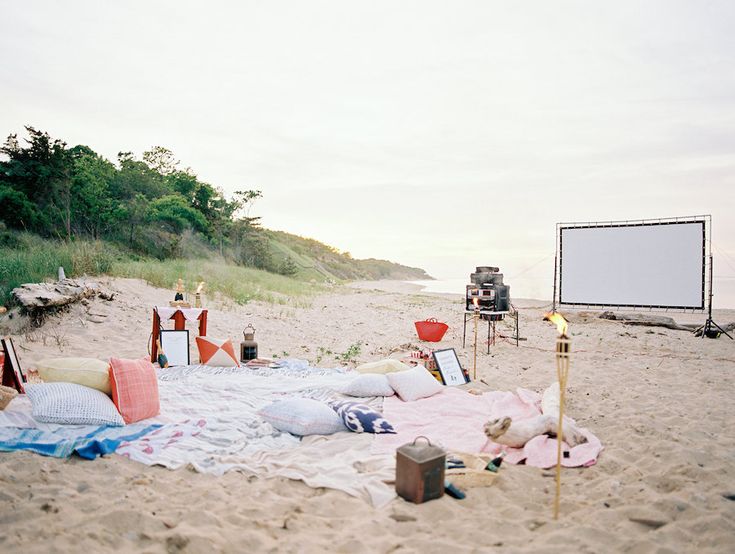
point(420, 471)
point(248, 347)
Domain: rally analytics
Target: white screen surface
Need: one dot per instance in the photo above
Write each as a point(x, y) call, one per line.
point(656, 265)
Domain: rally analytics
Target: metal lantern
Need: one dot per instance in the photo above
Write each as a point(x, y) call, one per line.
point(420, 471)
point(248, 347)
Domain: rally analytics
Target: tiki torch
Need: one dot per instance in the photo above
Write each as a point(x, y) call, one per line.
point(563, 348)
point(476, 317)
point(198, 296)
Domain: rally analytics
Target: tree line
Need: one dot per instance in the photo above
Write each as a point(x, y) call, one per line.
point(150, 205)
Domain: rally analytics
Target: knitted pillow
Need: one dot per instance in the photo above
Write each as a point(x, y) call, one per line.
point(217, 352)
point(414, 384)
point(134, 388)
point(383, 366)
point(89, 372)
point(361, 418)
point(368, 384)
point(72, 404)
point(302, 416)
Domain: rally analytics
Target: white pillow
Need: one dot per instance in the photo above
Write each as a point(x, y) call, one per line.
point(303, 416)
point(89, 372)
point(369, 384)
point(72, 404)
point(414, 384)
point(383, 366)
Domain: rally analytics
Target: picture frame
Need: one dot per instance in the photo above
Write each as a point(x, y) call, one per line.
point(447, 363)
point(12, 373)
point(175, 344)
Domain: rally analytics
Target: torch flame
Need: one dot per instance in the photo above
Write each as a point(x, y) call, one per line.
point(476, 302)
point(200, 287)
point(558, 320)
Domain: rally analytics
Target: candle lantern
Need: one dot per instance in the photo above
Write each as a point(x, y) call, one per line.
point(248, 347)
point(420, 471)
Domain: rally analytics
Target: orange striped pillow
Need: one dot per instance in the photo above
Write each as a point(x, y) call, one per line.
point(216, 352)
point(134, 389)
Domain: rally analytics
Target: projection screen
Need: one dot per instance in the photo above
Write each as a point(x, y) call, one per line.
point(654, 265)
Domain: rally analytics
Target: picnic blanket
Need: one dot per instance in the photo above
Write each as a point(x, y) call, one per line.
point(209, 422)
point(454, 419)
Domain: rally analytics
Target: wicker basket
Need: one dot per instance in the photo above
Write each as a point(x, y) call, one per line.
point(474, 475)
point(6, 395)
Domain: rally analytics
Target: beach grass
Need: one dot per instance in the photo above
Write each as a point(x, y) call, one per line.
point(28, 258)
point(241, 284)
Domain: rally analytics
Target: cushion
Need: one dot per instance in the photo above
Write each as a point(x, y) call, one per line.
point(302, 416)
point(414, 384)
point(369, 384)
point(134, 388)
point(82, 371)
point(383, 366)
point(72, 404)
point(361, 418)
point(217, 352)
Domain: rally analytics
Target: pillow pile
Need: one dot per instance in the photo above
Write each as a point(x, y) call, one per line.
point(414, 384)
point(302, 416)
point(72, 404)
point(368, 384)
point(134, 389)
point(217, 352)
point(361, 418)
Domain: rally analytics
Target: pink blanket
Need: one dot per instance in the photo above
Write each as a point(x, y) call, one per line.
point(454, 419)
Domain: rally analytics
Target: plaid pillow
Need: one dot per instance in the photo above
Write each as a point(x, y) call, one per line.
point(134, 389)
point(361, 418)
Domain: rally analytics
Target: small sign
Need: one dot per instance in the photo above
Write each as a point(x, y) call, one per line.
point(449, 367)
point(175, 345)
point(12, 374)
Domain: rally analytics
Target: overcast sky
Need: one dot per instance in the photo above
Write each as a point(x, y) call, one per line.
point(437, 134)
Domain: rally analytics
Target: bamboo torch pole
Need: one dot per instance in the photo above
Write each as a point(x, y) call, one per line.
point(563, 349)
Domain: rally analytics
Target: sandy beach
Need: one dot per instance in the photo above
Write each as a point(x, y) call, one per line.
point(658, 399)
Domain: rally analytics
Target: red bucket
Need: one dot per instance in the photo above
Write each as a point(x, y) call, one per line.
point(431, 330)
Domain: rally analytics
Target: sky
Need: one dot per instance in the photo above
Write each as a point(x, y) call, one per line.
point(442, 135)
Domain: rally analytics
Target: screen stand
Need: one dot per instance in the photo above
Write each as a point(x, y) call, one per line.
point(710, 329)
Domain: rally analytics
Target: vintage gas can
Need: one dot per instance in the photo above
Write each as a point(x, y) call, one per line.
point(420, 471)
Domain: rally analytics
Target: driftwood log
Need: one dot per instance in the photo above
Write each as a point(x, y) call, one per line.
point(647, 320)
point(39, 299)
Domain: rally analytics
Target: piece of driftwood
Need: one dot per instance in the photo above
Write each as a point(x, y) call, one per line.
point(648, 320)
point(34, 296)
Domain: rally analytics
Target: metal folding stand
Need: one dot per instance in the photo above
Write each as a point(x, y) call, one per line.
point(491, 321)
point(710, 328)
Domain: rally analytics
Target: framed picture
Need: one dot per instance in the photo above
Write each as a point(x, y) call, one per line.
point(13, 375)
point(175, 345)
point(449, 367)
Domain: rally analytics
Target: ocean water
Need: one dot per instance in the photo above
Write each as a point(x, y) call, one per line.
point(723, 289)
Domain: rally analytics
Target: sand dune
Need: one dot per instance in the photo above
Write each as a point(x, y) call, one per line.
point(660, 401)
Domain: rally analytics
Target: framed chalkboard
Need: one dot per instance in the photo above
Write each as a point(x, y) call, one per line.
point(449, 367)
point(175, 345)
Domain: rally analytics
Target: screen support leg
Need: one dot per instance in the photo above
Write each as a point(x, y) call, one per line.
point(710, 327)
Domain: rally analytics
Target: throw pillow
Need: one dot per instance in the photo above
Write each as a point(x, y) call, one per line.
point(414, 384)
point(217, 352)
point(82, 371)
point(382, 366)
point(72, 404)
point(302, 416)
point(134, 388)
point(368, 384)
point(361, 418)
